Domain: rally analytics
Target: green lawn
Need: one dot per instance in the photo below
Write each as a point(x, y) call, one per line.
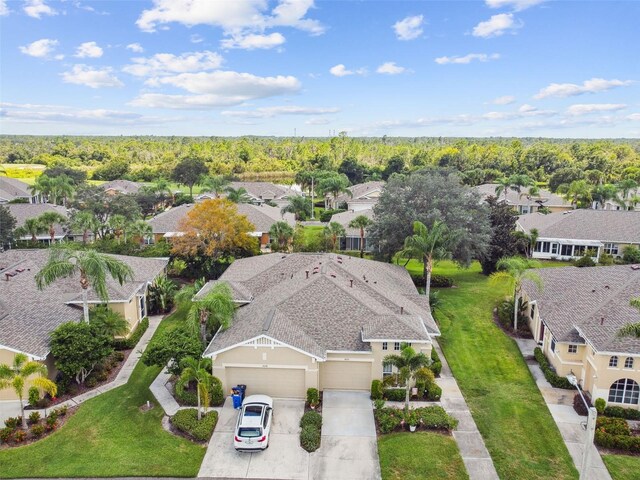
point(622, 467)
point(420, 455)
point(522, 438)
point(109, 436)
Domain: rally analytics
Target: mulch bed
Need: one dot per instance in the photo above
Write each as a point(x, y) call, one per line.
point(523, 331)
point(29, 440)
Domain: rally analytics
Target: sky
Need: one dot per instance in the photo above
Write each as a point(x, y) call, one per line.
point(526, 68)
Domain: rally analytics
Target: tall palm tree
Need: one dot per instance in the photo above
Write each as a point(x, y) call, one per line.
point(119, 225)
point(214, 310)
point(49, 220)
point(141, 229)
point(196, 370)
point(92, 268)
point(512, 271)
point(577, 192)
point(429, 245)
point(625, 187)
point(532, 239)
point(335, 185)
point(502, 186)
point(33, 227)
point(63, 188)
point(162, 188)
point(281, 234)
point(332, 233)
point(361, 222)
point(15, 376)
point(298, 205)
point(239, 195)
point(85, 222)
point(217, 184)
point(631, 329)
point(601, 194)
point(42, 187)
point(408, 363)
point(110, 322)
point(519, 181)
point(162, 293)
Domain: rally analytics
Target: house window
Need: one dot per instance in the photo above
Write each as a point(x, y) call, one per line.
point(611, 248)
point(566, 250)
point(538, 247)
point(385, 346)
point(387, 369)
point(624, 390)
point(578, 250)
point(553, 343)
point(613, 361)
point(533, 311)
point(546, 247)
point(573, 348)
point(554, 248)
point(396, 346)
point(628, 362)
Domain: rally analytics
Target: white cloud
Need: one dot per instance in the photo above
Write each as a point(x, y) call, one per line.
point(4, 10)
point(526, 108)
point(409, 28)
point(516, 5)
point(504, 100)
point(341, 71)
point(587, 108)
point(481, 57)
point(37, 8)
point(588, 86)
point(390, 68)
point(170, 64)
point(40, 48)
point(497, 25)
point(88, 49)
point(318, 121)
point(524, 111)
point(195, 38)
point(135, 48)
point(634, 117)
point(253, 41)
point(92, 77)
point(269, 112)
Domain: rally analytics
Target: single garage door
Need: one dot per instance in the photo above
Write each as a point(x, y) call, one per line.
point(275, 382)
point(343, 375)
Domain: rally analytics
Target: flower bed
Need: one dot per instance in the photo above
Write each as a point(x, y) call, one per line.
point(13, 435)
point(186, 421)
point(615, 433)
point(423, 418)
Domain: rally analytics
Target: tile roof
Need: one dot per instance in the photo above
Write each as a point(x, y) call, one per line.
point(169, 220)
point(23, 211)
point(122, 186)
point(547, 198)
point(585, 224)
point(331, 307)
point(589, 303)
point(29, 315)
point(345, 218)
point(361, 190)
point(261, 191)
point(12, 188)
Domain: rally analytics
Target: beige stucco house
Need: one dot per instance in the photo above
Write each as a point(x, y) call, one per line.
point(351, 240)
point(12, 189)
point(316, 320)
point(568, 235)
point(260, 193)
point(361, 196)
point(29, 315)
point(523, 202)
point(575, 318)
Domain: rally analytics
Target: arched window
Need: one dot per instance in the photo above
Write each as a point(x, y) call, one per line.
point(613, 361)
point(624, 390)
point(628, 362)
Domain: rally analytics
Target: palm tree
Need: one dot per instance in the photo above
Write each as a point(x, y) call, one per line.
point(631, 329)
point(33, 227)
point(85, 222)
point(49, 221)
point(532, 238)
point(107, 321)
point(519, 181)
point(335, 185)
point(162, 188)
point(196, 370)
point(280, 234)
point(118, 224)
point(502, 186)
point(625, 187)
point(216, 184)
point(42, 187)
point(141, 229)
point(512, 271)
point(361, 222)
point(239, 195)
point(577, 192)
point(601, 194)
point(63, 187)
point(298, 205)
point(16, 375)
point(429, 246)
point(212, 311)
point(162, 293)
point(332, 233)
point(408, 363)
point(92, 267)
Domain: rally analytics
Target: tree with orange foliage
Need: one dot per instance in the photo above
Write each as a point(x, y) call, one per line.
point(214, 229)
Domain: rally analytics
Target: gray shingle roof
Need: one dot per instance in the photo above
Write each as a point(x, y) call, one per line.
point(169, 220)
point(24, 211)
point(360, 191)
point(29, 315)
point(324, 311)
point(585, 224)
point(514, 198)
point(122, 186)
point(12, 188)
point(345, 219)
point(593, 301)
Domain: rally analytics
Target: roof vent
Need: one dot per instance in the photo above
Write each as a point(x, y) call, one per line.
point(307, 272)
point(593, 291)
point(268, 319)
point(607, 287)
point(401, 310)
point(351, 282)
point(601, 320)
point(635, 267)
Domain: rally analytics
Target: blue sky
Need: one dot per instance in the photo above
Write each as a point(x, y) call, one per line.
point(260, 67)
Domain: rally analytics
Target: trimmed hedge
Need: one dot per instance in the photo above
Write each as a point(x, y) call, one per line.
point(434, 392)
point(187, 421)
point(216, 395)
point(395, 394)
point(311, 418)
point(615, 433)
point(621, 412)
point(310, 435)
point(430, 418)
point(134, 338)
point(437, 281)
point(325, 216)
point(377, 392)
point(552, 377)
point(436, 364)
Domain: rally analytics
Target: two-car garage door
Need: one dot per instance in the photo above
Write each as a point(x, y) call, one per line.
point(275, 382)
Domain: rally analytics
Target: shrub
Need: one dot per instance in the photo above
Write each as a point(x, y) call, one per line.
point(20, 436)
point(437, 281)
point(310, 438)
point(434, 392)
point(424, 377)
point(118, 356)
point(311, 418)
point(621, 412)
point(585, 261)
point(377, 392)
point(61, 411)
point(630, 254)
point(552, 377)
point(34, 417)
point(134, 338)
point(435, 417)
point(395, 394)
point(13, 422)
point(51, 423)
point(389, 381)
point(91, 381)
point(188, 397)
point(388, 419)
point(606, 259)
point(6, 434)
point(436, 364)
point(313, 397)
point(101, 376)
point(187, 421)
point(600, 405)
point(378, 404)
point(34, 396)
point(37, 430)
point(326, 215)
point(44, 402)
point(579, 406)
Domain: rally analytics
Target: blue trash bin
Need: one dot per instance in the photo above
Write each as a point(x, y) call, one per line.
point(241, 389)
point(237, 400)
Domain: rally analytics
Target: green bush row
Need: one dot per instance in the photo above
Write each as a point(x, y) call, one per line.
point(437, 281)
point(615, 433)
point(436, 364)
point(187, 421)
point(311, 424)
point(377, 391)
point(326, 215)
point(134, 338)
point(621, 412)
point(430, 418)
point(552, 377)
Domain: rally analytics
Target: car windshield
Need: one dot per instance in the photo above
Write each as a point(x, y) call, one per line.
point(252, 411)
point(249, 432)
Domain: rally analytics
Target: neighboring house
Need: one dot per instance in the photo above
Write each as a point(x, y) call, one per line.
point(125, 187)
point(567, 235)
point(13, 189)
point(525, 203)
point(630, 202)
point(260, 192)
point(316, 320)
point(575, 319)
point(351, 241)
point(363, 196)
point(24, 211)
point(167, 223)
point(29, 315)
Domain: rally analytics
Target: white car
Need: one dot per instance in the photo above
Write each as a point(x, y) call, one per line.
point(254, 424)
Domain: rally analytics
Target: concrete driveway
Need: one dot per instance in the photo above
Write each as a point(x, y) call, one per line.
point(284, 459)
point(349, 446)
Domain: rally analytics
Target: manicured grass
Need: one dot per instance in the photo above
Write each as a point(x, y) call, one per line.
point(110, 437)
point(420, 455)
point(622, 467)
point(522, 438)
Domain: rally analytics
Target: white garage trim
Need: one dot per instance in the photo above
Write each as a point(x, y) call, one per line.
point(258, 341)
point(263, 365)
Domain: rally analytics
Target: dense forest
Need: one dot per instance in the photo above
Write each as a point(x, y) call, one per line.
point(278, 159)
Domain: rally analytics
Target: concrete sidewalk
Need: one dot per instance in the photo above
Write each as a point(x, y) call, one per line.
point(560, 404)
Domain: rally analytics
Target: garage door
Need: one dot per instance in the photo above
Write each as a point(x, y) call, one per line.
point(275, 382)
point(345, 375)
